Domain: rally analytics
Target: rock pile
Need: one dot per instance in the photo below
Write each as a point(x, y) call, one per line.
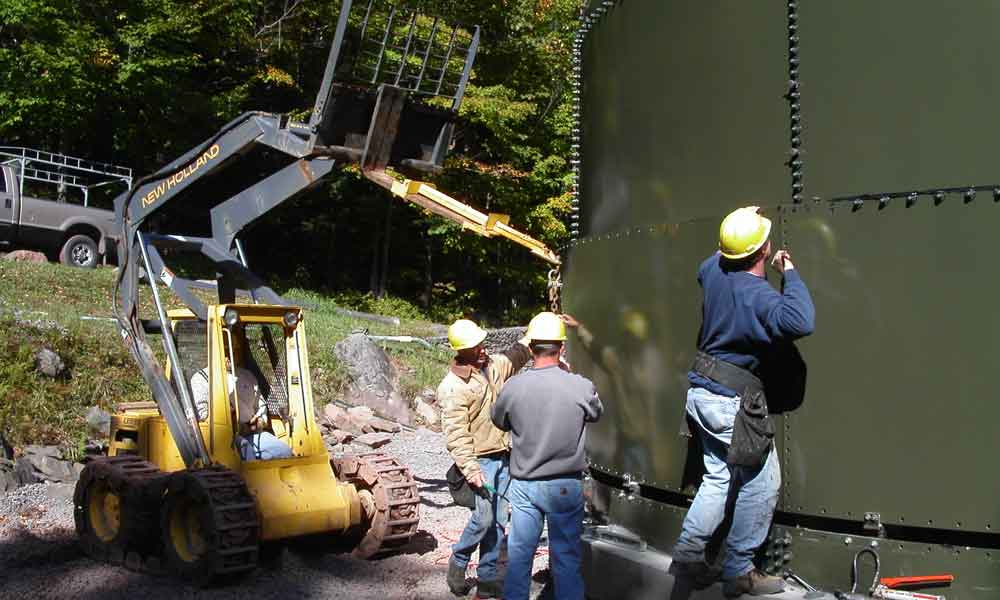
point(497, 340)
point(38, 464)
point(355, 429)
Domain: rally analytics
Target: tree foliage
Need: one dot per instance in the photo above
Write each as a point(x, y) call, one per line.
point(139, 82)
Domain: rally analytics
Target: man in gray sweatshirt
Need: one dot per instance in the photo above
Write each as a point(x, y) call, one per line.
point(546, 410)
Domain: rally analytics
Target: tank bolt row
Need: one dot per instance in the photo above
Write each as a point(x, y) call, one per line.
point(793, 96)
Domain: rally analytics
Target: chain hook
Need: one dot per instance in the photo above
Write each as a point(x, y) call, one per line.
point(555, 289)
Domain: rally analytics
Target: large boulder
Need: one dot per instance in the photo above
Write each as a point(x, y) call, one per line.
point(26, 256)
point(49, 363)
point(372, 377)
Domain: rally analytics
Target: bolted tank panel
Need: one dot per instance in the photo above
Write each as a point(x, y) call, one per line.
point(686, 114)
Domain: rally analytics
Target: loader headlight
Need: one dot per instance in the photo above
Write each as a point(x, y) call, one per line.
point(290, 319)
point(230, 317)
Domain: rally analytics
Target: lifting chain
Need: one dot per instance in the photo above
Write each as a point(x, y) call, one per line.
point(555, 290)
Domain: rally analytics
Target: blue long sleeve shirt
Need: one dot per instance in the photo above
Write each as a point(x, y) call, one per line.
point(743, 316)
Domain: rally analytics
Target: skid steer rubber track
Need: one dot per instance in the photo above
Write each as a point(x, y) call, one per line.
point(389, 498)
point(209, 525)
point(116, 511)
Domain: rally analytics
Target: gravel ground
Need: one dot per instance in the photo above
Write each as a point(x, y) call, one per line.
point(39, 557)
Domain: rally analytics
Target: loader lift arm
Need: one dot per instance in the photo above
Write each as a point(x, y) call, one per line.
point(365, 113)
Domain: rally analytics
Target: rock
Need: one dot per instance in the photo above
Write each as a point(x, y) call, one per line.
point(374, 440)
point(372, 376)
point(54, 469)
point(338, 437)
point(428, 413)
point(36, 450)
point(8, 481)
point(26, 256)
point(333, 413)
point(49, 363)
point(77, 469)
point(360, 416)
point(24, 471)
point(99, 421)
point(384, 425)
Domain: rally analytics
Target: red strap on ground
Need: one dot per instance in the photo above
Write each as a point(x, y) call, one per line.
point(916, 580)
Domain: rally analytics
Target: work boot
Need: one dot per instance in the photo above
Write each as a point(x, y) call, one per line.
point(700, 573)
point(456, 580)
point(489, 589)
point(754, 583)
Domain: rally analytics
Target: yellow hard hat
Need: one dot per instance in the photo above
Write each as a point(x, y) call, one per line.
point(546, 326)
point(463, 334)
point(743, 232)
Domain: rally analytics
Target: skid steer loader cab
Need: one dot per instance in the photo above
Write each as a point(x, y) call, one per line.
point(298, 495)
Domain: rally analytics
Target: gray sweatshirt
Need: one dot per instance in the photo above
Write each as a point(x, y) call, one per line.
point(546, 410)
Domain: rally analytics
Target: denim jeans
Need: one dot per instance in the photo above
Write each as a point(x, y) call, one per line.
point(263, 445)
point(558, 501)
point(758, 490)
point(487, 523)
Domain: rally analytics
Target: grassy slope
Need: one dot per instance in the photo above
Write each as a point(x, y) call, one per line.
point(38, 409)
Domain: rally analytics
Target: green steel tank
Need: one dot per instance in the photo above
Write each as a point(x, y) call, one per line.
point(865, 130)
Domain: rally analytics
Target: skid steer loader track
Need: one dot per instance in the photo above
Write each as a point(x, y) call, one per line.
point(389, 499)
point(198, 524)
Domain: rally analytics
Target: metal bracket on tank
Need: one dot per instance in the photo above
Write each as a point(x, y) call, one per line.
point(630, 487)
point(615, 534)
point(873, 524)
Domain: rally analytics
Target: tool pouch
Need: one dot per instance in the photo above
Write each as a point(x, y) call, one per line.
point(753, 432)
point(461, 491)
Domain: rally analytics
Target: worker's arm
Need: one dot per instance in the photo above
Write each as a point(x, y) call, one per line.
point(592, 408)
point(791, 314)
point(455, 425)
point(506, 364)
point(199, 393)
point(605, 356)
point(500, 413)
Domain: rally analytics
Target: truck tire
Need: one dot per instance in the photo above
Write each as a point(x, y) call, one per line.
point(79, 251)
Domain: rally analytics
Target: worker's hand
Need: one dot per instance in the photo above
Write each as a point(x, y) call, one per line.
point(476, 480)
point(782, 261)
point(257, 424)
point(570, 321)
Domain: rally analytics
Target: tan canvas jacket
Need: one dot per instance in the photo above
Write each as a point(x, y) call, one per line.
point(466, 396)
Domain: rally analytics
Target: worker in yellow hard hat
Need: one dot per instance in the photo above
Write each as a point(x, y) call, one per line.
point(546, 409)
point(479, 449)
point(743, 319)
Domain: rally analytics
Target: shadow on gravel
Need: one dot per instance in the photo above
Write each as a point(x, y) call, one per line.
point(421, 543)
point(26, 549)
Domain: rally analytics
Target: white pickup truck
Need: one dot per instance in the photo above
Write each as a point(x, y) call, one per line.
point(80, 235)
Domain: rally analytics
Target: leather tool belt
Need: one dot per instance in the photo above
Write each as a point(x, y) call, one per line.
point(726, 374)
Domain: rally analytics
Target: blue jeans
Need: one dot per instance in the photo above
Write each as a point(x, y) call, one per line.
point(758, 490)
point(560, 503)
point(262, 446)
point(487, 523)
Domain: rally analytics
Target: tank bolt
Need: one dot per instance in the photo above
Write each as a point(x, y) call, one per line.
point(938, 198)
point(883, 202)
point(848, 541)
point(969, 195)
point(911, 200)
point(874, 544)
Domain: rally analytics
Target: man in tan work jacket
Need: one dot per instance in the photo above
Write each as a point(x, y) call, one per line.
point(466, 396)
